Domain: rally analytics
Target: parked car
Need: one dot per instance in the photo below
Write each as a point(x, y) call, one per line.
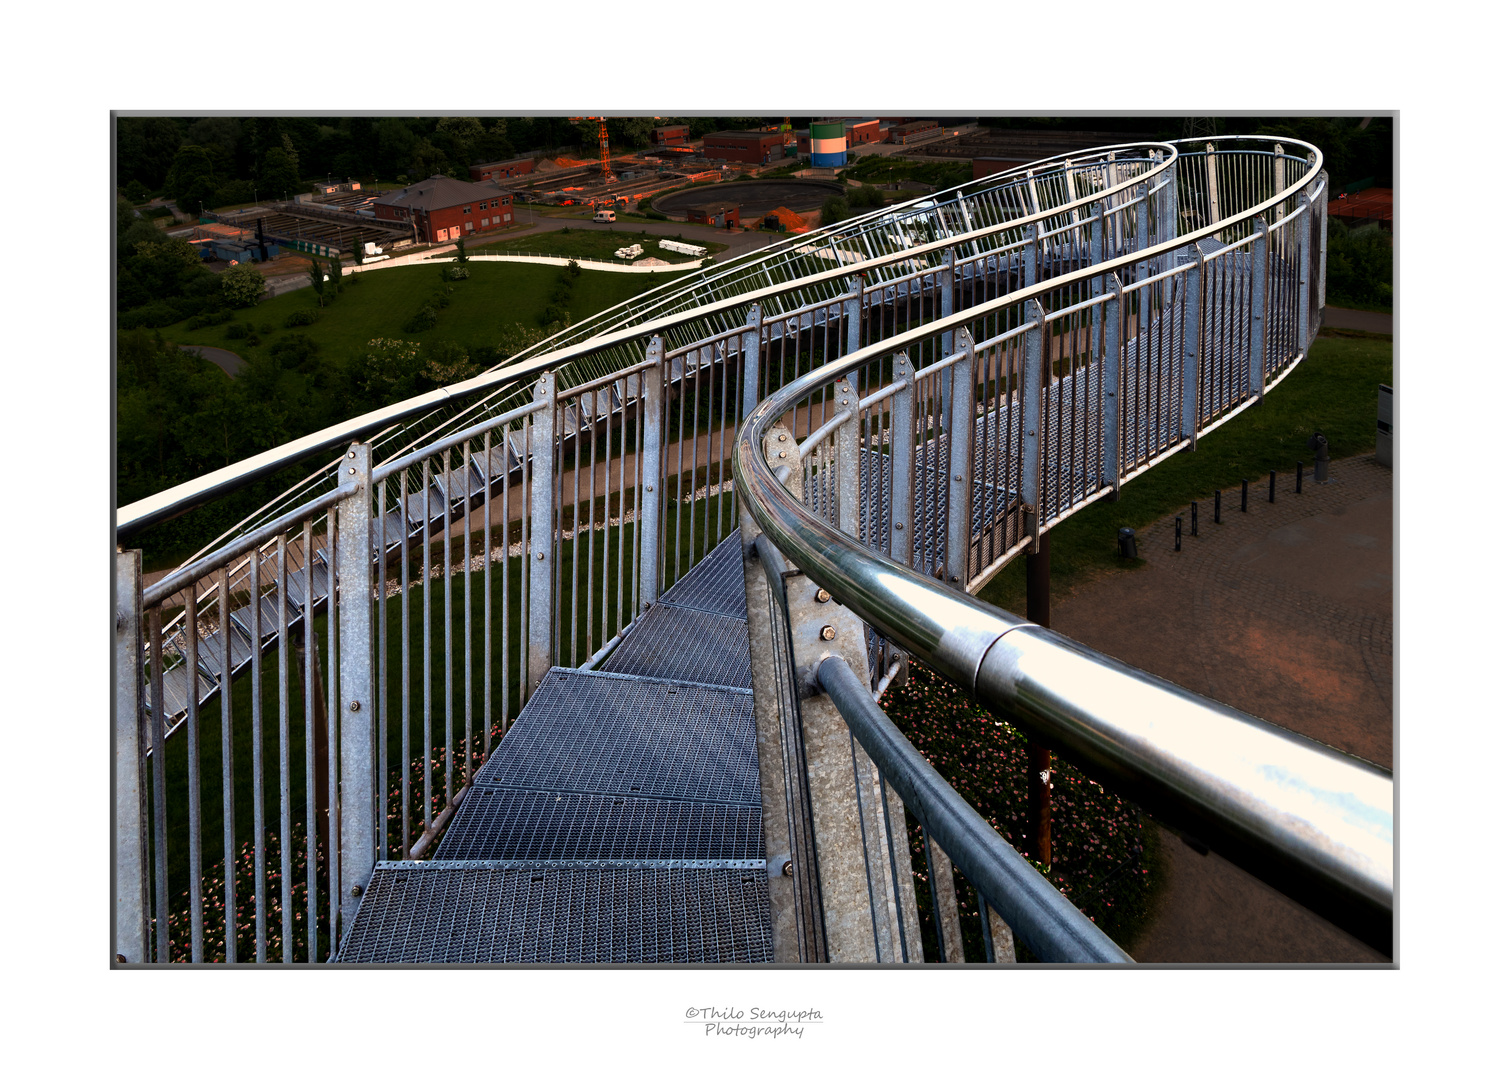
point(606, 216)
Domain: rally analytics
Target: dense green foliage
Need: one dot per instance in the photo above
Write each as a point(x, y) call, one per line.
point(1360, 266)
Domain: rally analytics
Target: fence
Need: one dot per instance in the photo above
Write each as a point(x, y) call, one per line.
point(532, 525)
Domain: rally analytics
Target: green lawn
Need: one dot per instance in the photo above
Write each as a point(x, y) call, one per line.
point(494, 297)
point(593, 242)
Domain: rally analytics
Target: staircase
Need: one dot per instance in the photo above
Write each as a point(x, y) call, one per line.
point(618, 820)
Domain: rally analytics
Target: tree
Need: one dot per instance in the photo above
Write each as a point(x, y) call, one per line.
point(242, 285)
point(191, 180)
point(335, 274)
point(279, 175)
point(835, 210)
point(317, 280)
point(447, 362)
point(356, 250)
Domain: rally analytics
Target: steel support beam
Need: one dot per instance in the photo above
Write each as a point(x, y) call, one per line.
point(540, 548)
point(132, 890)
point(357, 796)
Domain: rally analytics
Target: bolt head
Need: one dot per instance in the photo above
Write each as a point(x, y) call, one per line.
point(828, 633)
point(356, 706)
point(781, 438)
point(899, 526)
point(782, 454)
point(351, 453)
point(787, 870)
point(822, 596)
point(356, 890)
point(540, 555)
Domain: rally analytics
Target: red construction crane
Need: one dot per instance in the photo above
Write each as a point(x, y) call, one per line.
point(602, 140)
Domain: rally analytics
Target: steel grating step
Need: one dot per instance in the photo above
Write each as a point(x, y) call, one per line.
point(685, 644)
point(607, 734)
point(499, 823)
point(482, 913)
point(716, 583)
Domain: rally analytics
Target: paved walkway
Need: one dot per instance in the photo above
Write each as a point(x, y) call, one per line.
point(1285, 612)
point(1375, 322)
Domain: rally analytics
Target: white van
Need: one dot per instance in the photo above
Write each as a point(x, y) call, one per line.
point(606, 216)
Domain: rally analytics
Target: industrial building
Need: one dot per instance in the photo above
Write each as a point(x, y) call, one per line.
point(440, 209)
point(671, 135)
point(748, 147)
point(503, 170)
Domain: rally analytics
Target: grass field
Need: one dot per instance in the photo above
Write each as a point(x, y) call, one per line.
point(493, 298)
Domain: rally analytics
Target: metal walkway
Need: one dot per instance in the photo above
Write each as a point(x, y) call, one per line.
point(618, 820)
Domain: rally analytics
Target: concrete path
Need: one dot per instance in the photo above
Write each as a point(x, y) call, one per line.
point(1375, 322)
point(224, 359)
point(1286, 612)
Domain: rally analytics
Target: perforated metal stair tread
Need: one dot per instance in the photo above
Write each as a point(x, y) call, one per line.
point(687, 645)
point(715, 584)
point(607, 734)
point(477, 913)
point(500, 823)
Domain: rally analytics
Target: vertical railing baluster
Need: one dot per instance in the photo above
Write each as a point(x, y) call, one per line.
point(1192, 285)
point(406, 645)
point(159, 722)
point(227, 770)
point(1111, 368)
point(466, 609)
point(259, 783)
point(196, 855)
point(961, 481)
point(285, 766)
point(1303, 268)
point(1258, 275)
point(487, 588)
point(131, 885)
point(1032, 419)
point(427, 745)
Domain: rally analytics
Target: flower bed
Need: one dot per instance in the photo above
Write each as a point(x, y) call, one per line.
point(1100, 860)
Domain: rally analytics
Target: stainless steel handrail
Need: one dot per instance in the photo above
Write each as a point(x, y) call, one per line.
point(1308, 819)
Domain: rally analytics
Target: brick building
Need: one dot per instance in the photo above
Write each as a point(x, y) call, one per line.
point(749, 147)
point(719, 215)
point(914, 131)
point(671, 135)
point(503, 170)
point(440, 209)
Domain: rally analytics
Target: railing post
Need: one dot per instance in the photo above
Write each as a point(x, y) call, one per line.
point(652, 420)
point(864, 862)
point(1279, 178)
point(1322, 222)
point(1258, 277)
point(1168, 227)
point(1194, 284)
point(847, 441)
point(961, 465)
point(1111, 410)
point(903, 471)
point(1030, 255)
point(749, 361)
point(1141, 192)
point(1032, 418)
point(1213, 198)
point(944, 285)
point(945, 904)
point(358, 729)
point(1303, 316)
point(1098, 283)
point(796, 920)
point(540, 549)
point(131, 886)
point(852, 314)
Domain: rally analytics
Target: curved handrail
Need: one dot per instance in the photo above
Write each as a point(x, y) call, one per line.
point(183, 497)
point(1311, 820)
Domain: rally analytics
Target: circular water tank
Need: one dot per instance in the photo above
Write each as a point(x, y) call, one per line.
point(829, 145)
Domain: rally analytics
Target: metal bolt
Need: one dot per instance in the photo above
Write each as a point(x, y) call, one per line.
point(953, 577)
point(120, 958)
point(540, 555)
point(957, 477)
point(351, 453)
point(899, 526)
point(781, 438)
point(822, 596)
point(787, 870)
point(356, 890)
point(356, 706)
point(782, 454)
point(828, 633)
point(649, 487)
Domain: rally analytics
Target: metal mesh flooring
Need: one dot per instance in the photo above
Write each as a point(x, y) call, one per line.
point(716, 584)
point(600, 733)
point(477, 913)
point(498, 823)
point(686, 644)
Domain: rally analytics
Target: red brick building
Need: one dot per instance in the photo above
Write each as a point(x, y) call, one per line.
point(440, 209)
point(502, 170)
point(719, 215)
point(749, 147)
point(671, 135)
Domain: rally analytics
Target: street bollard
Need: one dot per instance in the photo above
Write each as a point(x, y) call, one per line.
point(1216, 514)
point(1195, 526)
point(1245, 497)
point(1323, 459)
point(1177, 524)
point(1127, 543)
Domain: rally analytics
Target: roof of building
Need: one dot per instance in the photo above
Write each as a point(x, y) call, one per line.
point(521, 159)
point(437, 193)
point(743, 135)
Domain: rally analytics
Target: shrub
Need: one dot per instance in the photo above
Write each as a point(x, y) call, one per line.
point(423, 319)
point(457, 273)
point(264, 328)
point(242, 285)
point(237, 331)
point(555, 313)
point(307, 317)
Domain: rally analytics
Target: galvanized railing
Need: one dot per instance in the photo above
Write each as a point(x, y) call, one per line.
point(591, 490)
point(929, 474)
